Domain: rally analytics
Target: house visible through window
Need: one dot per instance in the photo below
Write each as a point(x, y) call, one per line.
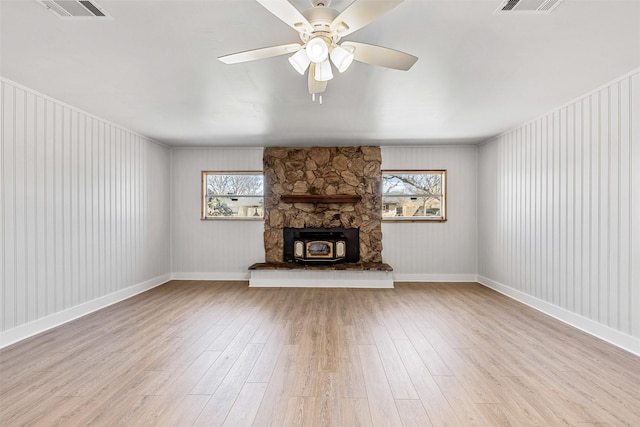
point(232, 195)
point(414, 195)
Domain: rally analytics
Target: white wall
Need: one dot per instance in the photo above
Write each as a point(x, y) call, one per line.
point(223, 249)
point(559, 212)
point(84, 207)
point(213, 249)
point(443, 251)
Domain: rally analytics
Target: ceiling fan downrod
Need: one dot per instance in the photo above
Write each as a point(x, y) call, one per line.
point(316, 3)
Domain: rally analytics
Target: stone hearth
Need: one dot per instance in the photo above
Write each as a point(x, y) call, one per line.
point(349, 266)
point(347, 275)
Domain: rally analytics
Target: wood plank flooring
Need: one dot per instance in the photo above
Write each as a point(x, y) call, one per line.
point(223, 354)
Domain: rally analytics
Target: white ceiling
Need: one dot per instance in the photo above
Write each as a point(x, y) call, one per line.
point(153, 69)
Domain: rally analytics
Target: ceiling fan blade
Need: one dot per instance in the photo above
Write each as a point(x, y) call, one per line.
point(265, 52)
point(314, 85)
point(380, 56)
point(288, 14)
point(360, 13)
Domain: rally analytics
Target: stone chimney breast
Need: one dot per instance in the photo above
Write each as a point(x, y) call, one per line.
point(327, 174)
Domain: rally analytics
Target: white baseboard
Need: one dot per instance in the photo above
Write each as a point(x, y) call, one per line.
point(211, 276)
point(27, 330)
point(400, 277)
point(610, 335)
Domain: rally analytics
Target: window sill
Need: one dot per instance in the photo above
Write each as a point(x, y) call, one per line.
point(413, 220)
point(231, 218)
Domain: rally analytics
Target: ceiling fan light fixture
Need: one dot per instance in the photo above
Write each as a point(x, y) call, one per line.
point(300, 61)
point(323, 71)
point(317, 50)
point(341, 58)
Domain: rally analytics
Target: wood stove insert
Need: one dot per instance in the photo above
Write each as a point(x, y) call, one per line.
point(321, 245)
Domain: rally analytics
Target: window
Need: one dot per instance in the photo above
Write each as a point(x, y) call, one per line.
point(414, 195)
point(232, 195)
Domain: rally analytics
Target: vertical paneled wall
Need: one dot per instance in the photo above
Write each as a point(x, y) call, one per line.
point(559, 208)
point(435, 250)
point(84, 205)
point(417, 251)
point(212, 249)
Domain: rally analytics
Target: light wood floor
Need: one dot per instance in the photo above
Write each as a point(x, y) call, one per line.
point(220, 353)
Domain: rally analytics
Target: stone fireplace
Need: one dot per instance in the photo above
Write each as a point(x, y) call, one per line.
point(323, 188)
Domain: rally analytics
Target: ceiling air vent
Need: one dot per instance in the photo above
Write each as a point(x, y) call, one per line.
point(75, 9)
point(527, 6)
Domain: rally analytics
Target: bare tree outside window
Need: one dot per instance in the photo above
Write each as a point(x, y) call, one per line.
point(232, 195)
point(413, 195)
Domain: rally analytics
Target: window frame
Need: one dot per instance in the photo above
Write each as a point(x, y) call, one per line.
point(443, 195)
point(203, 196)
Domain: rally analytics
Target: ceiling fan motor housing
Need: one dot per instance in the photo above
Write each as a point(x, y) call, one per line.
point(320, 18)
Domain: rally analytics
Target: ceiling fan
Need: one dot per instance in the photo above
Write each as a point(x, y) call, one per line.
point(321, 29)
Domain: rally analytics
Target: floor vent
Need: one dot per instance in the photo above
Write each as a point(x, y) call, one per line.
point(527, 6)
point(75, 9)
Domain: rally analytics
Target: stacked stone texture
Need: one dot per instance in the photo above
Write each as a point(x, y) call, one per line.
point(323, 171)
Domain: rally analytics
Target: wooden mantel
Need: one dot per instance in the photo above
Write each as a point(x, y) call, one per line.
point(315, 198)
